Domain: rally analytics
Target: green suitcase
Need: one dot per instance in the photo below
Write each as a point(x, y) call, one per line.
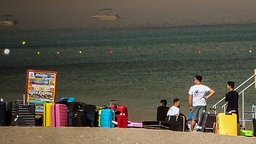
point(248, 133)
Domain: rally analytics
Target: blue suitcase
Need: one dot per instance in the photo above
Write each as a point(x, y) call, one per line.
point(106, 118)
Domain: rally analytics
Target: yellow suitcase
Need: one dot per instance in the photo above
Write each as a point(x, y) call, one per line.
point(47, 114)
point(99, 112)
point(226, 124)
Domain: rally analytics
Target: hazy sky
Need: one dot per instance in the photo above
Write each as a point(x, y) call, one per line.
point(76, 13)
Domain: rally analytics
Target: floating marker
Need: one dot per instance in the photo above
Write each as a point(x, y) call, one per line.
point(7, 51)
point(23, 42)
point(250, 51)
point(58, 52)
point(80, 52)
point(38, 53)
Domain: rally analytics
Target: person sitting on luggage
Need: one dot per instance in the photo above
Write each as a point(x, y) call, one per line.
point(175, 109)
point(162, 110)
point(231, 99)
point(176, 120)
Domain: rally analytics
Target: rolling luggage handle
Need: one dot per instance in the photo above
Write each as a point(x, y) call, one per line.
point(111, 102)
point(230, 112)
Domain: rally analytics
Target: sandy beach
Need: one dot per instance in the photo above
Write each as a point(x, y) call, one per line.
point(87, 135)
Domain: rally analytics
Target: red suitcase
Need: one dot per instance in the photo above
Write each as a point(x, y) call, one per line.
point(120, 109)
point(122, 121)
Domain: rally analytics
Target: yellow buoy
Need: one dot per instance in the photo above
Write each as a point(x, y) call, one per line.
point(23, 42)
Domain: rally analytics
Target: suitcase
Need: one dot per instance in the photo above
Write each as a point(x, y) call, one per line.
point(99, 113)
point(59, 115)
point(76, 114)
point(226, 124)
point(207, 122)
point(121, 113)
point(39, 120)
point(122, 121)
point(91, 115)
point(134, 124)
point(22, 115)
point(254, 126)
point(8, 115)
point(66, 100)
point(176, 123)
point(106, 118)
point(248, 133)
point(120, 109)
point(2, 113)
point(47, 114)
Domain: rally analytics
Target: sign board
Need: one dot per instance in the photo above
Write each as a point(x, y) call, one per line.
point(40, 88)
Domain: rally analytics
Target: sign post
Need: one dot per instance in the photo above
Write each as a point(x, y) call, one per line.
point(40, 88)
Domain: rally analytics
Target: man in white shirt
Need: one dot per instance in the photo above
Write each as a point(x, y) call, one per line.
point(197, 99)
point(175, 109)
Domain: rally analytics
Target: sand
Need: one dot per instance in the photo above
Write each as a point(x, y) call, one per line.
point(87, 135)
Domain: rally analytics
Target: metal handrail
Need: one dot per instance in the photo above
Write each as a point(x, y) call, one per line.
point(215, 105)
point(247, 87)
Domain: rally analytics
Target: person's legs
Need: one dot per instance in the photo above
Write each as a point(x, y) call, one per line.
point(201, 111)
point(192, 125)
point(195, 111)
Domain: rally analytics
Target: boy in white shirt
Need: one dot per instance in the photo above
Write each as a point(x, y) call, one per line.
point(197, 99)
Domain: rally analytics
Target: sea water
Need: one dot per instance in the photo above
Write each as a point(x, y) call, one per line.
point(138, 66)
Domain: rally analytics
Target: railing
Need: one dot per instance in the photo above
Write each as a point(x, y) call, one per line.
point(240, 93)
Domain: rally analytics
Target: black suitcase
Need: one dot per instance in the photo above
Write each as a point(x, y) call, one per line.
point(2, 114)
point(176, 123)
point(77, 119)
point(254, 126)
point(207, 122)
point(22, 115)
point(76, 114)
point(91, 115)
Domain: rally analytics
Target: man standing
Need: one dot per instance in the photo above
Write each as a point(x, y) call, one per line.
point(197, 99)
point(231, 99)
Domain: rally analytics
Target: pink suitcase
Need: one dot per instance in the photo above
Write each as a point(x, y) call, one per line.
point(134, 124)
point(59, 115)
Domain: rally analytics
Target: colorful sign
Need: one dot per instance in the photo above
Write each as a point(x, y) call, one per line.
point(40, 87)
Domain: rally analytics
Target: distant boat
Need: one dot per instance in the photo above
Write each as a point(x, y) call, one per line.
point(5, 21)
point(105, 17)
